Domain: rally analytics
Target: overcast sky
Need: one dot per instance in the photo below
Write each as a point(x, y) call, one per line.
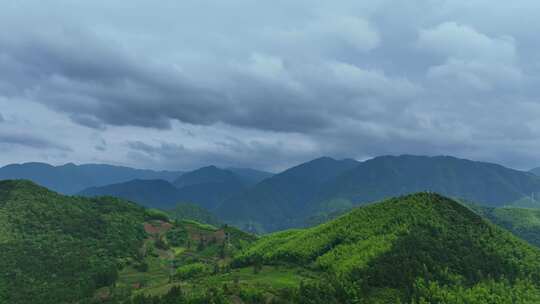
point(267, 84)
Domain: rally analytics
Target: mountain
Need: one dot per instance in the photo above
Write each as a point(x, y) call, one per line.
point(522, 222)
point(150, 193)
point(249, 176)
point(187, 211)
point(535, 171)
point(485, 183)
point(209, 186)
point(71, 178)
point(64, 249)
point(60, 249)
point(206, 175)
point(279, 201)
point(420, 248)
point(205, 187)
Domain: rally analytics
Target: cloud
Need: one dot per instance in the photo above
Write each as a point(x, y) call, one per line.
point(31, 142)
point(270, 85)
point(471, 59)
point(451, 39)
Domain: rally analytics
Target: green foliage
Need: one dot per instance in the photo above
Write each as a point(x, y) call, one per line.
point(192, 271)
point(421, 248)
point(417, 236)
point(155, 214)
point(188, 211)
point(489, 291)
point(58, 249)
point(523, 222)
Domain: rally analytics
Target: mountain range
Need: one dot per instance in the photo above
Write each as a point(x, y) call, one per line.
point(418, 248)
point(289, 198)
point(262, 202)
point(207, 187)
point(71, 178)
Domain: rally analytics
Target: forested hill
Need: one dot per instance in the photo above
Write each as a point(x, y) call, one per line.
point(421, 248)
point(60, 249)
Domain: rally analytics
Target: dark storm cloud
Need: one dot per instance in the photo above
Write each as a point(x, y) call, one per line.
point(100, 82)
point(348, 79)
point(227, 152)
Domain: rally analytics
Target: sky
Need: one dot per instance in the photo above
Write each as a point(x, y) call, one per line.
point(268, 84)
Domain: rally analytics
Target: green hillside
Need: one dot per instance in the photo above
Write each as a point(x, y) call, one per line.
point(188, 211)
point(422, 248)
point(59, 249)
point(178, 255)
point(523, 222)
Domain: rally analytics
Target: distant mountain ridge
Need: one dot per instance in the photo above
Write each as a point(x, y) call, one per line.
point(287, 199)
point(535, 171)
point(71, 178)
point(277, 202)
point(154, 193)
point(388, 176)
point(206, 187)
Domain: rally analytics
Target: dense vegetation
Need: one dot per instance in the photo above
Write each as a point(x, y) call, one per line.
point(188, 211)
point(181, 254)
point(415, 248)
point(523, 222)
point(58, 249)
point(421, 248)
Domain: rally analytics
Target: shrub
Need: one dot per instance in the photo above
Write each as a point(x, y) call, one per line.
point(192, 271)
